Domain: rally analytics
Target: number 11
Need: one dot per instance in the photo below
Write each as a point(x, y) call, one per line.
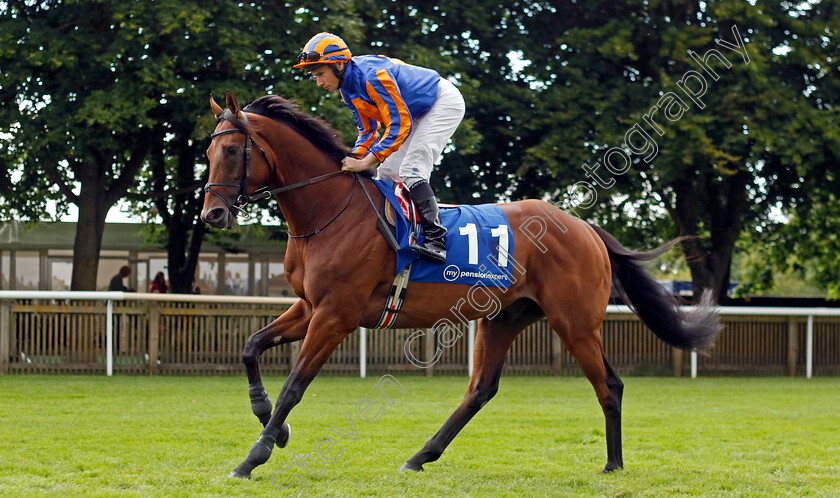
point(471, 232)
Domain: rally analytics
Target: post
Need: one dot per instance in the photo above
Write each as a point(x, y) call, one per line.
point(109, 339)
point(264, 277)
point(220, 275)
point(252, 275)
point(556, 354)
point(5, 333)
point(429, 351)
point(809, 348)
point(124, 333)
point(362, 352)
point(793, 346)
point(693, 364)
point(471, 329)
point(294, 352)
point(154, 337)
point(12, 270)
point(677, 357)
point(133, 280)
point(44, 270)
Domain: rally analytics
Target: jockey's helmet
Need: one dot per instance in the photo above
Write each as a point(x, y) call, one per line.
point(323, 48)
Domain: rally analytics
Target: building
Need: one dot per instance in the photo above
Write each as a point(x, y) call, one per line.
point(39, 256)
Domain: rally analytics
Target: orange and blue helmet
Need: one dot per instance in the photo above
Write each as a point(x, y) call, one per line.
point(323, 48)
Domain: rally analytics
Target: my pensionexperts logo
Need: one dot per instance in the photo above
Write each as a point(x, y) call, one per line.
point(452, 273)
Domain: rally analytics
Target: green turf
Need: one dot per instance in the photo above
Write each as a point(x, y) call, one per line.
point(134, 436)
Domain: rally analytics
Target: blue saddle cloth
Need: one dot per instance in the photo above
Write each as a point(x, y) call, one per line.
point(478, 244)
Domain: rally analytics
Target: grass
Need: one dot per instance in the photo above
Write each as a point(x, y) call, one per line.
point(180, 436)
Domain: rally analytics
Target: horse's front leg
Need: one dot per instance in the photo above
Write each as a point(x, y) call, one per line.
point(289, 327)
point(326, 331)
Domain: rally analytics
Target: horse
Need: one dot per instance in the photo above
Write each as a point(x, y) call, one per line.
point(341, 267)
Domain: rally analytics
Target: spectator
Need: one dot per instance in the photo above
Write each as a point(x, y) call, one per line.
point(117, 281)
point(159, 284)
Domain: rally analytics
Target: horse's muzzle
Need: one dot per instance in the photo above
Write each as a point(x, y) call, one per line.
point(218, 217)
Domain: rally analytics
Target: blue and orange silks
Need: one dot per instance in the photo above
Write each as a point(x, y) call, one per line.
point(379, 89)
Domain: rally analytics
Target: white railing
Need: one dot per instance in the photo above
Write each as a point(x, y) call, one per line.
point(762, 311)
point(112, 296)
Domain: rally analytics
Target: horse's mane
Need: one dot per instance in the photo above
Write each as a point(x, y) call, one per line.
point(313, 129)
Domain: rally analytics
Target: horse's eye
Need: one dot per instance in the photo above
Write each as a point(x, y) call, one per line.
point(231, 150)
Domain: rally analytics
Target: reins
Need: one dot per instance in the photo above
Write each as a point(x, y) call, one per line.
point(243, 198)
point(316, 232)
point(265, 194)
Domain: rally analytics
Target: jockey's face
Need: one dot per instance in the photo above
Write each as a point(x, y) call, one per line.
point(326, 78)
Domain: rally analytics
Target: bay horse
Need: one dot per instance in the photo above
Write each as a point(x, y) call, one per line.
point(341, 267)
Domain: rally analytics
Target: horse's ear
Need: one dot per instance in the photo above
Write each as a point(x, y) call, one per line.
point(232, 105)
point(215, 107)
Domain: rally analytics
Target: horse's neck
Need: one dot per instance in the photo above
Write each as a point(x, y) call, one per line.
point(308, 208)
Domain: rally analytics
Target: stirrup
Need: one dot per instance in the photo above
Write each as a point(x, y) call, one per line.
point(430, 253)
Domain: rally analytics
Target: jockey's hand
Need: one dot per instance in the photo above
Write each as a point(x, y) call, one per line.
point(356, 165)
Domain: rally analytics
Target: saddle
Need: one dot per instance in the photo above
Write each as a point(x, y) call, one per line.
point(406, 205)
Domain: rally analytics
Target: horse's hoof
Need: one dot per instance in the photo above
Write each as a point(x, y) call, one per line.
point(411, 466)
point(239, 475)
point(283, 437)
point(610, 468)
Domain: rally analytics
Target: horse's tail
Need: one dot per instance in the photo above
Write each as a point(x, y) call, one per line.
point(654, 305)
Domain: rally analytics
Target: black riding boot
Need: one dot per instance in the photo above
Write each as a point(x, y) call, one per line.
point(434, 242)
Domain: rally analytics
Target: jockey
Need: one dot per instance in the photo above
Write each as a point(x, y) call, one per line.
point(418, 111)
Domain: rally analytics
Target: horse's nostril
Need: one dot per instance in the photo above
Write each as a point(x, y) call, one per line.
point(213, 216)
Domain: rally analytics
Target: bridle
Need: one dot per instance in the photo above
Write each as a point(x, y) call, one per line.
point(243, 198)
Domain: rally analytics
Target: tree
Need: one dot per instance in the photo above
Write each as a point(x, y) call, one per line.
point(195, 50)
point(78, 119)
point(807, 240)
point(93, 91)
point(706, 148)
point(604, 75)
point(248, 50)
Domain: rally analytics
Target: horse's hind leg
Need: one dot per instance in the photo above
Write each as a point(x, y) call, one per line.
point(289, 327)
point(493, 339)
point(589, 352)
point(613, 417)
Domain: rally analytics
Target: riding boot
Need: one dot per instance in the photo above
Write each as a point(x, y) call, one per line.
point(434, 234)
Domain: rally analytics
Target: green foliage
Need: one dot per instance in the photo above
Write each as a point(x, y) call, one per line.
point(763, 269)
point(93, 90)
point(764, 128)
point(806, 246)
point(548, 87)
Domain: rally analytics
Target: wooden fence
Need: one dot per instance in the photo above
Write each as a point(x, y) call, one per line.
point(174, 337)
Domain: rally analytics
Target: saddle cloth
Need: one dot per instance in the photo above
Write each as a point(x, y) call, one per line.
point(479, 243)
